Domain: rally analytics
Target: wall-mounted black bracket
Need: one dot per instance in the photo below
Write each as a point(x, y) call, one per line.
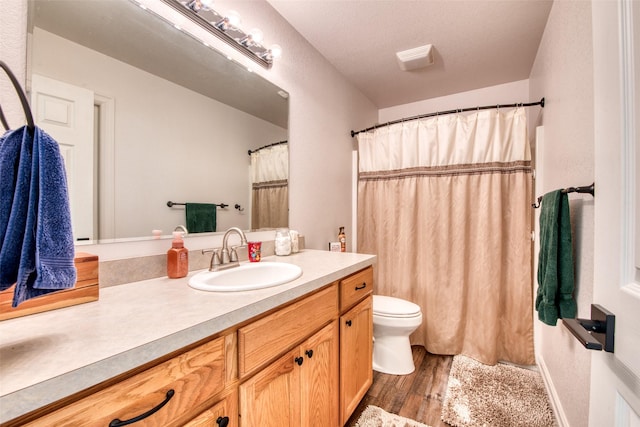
point(596, 333)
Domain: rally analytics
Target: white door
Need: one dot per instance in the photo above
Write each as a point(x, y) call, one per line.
point(615, 377)
point(65, 112)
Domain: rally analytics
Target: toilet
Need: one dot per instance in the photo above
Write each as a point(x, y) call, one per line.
point(394, 319)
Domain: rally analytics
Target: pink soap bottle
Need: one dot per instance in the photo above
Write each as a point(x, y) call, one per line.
point(177, 258)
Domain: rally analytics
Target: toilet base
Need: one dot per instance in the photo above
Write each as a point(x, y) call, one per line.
point(392, 355)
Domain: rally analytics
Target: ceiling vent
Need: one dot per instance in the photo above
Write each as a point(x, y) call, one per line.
point(418, 57)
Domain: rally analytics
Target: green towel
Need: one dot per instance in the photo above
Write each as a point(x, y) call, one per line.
point(555, 262)
point(201, 217)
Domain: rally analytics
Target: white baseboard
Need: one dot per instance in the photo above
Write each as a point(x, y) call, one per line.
point(554, 400)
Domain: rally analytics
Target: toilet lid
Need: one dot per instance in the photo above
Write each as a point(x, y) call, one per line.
point(394, 307)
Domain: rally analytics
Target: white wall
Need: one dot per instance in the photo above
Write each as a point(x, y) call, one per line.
point(508, 93)
point(563, 74)
point(170, 143)
point(13, 28)
point(324, 107)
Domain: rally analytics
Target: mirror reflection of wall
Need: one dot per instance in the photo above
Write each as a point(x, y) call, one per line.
point(153, 140)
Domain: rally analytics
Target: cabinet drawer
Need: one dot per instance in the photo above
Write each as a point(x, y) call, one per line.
point(222, 413)
point(355, 287)
point(194, 377)
point(266, 338)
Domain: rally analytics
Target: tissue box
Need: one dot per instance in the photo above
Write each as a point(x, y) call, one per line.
point(85, 290)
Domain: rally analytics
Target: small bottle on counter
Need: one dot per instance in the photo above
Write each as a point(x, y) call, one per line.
point(177, 258)
point(342, 238)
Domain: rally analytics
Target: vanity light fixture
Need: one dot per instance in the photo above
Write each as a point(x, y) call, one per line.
point(227, 28)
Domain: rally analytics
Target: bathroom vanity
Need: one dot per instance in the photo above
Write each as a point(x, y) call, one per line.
point(296, 354)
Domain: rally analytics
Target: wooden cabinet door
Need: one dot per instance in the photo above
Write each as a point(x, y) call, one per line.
point(271, 398)
point(319, 378)
point(356, 350)
point(298, 390)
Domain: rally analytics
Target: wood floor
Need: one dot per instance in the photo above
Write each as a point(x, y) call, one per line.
point(418, 395)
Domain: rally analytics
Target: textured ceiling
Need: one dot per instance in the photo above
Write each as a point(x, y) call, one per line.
point(477, 43)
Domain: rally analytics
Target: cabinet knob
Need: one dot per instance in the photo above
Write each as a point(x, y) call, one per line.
point(309, 353)
point(348, 322)
point(223, 421)
point(299, 360)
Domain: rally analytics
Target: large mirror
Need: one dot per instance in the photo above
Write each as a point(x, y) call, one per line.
point(145, 115)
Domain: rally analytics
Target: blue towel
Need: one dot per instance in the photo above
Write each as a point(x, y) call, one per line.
point(15, 179)
point(37, 238)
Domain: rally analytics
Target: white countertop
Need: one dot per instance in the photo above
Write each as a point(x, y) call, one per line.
point(48, 356)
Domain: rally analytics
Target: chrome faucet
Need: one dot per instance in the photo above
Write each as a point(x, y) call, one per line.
point(231, 256)
point(226, 258)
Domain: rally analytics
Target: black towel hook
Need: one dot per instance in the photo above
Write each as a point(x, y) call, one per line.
point(23, 100)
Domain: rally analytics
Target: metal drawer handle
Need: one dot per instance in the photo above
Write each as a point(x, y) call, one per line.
point(222, 421)
point(348, 322)
point(364, 285)
point(117, 423)
point(299, 360)
point(309, 353)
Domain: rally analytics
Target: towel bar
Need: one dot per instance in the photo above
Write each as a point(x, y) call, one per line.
point(172, 204)
point(596, 333)
point(590, 189)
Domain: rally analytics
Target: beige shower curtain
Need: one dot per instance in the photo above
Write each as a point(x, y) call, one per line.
point(445, 204)
point(270, 187)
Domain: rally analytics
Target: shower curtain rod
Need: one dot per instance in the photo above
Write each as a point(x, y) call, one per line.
point(459, 110)
point(266, 146)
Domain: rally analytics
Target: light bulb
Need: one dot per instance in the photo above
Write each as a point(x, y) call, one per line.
point(276, 51)
point(256, 35)
point(197, 5)
point(233, 18)
point(230, 20)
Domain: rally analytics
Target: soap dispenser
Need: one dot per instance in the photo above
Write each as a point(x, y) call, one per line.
point(177, 258)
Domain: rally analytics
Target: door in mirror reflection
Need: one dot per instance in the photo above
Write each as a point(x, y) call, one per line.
point(65, 112)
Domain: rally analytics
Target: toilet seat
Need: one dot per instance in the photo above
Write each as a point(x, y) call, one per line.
point(394, 307)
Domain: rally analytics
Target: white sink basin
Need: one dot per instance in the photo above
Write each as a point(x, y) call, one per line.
point(246, 277)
